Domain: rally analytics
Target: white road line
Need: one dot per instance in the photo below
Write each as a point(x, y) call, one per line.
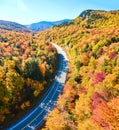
point(41, 111)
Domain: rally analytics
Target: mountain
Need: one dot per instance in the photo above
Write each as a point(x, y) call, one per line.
point(8, 25)
point(43, 25)
point(90, 98)
point(87, 13)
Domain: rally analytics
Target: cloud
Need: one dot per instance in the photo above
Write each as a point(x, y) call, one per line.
point(21, 5)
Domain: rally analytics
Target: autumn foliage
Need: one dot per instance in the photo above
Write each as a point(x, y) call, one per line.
point(89, 100)
point(26, 69)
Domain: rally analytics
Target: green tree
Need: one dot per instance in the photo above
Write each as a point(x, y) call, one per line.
point(32, 71)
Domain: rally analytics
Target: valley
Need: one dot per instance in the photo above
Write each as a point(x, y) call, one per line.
point(89, 98)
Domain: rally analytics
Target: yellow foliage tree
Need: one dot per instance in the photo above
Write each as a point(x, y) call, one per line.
point(42, 69)
point(56, 121)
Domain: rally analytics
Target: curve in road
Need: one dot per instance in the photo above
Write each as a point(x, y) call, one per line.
point(35, 118)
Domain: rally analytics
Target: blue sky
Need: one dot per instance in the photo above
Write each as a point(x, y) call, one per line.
point(31, 11)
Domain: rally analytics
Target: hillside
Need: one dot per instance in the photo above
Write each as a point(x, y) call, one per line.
point(43, 25)
point(27, 68)
point(90, 99)
point(8, 25)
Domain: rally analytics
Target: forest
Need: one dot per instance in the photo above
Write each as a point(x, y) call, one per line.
point(27, 67)
point(90, 98)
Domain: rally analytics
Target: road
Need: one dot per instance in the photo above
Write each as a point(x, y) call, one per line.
point(36, 117)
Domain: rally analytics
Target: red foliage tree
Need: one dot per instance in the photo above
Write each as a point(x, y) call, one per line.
point(99, 77)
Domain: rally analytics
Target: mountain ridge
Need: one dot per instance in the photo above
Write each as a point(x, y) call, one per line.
point(43, 25)
point(9, 25)
point(34, 27)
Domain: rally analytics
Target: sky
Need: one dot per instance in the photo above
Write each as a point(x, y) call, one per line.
point(32, 11)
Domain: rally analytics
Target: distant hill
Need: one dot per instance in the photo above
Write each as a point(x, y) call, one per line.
point(43, 25)
point(8, 25)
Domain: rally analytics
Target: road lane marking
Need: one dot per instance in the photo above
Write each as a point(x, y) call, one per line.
point(42, 110)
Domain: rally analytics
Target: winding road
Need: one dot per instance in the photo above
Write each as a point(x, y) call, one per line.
point(36, 117)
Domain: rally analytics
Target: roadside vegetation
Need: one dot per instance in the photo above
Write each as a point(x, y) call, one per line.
point(27, 67)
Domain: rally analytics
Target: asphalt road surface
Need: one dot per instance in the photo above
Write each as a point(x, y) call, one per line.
point(36, 117)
